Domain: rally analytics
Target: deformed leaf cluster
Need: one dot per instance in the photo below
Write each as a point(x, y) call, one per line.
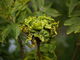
point(43, 27)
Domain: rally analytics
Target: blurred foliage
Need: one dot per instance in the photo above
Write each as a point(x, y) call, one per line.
point(18, 18)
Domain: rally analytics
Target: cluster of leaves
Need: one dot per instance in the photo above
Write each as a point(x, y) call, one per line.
point(40, 7)
point(74, 17)
point(42, 27)
point(12, 13)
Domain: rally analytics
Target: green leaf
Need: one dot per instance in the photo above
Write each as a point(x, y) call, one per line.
point(71, 5)
point(74, 25)
point(34, 5)
point(5, 33)
point(75, 13)
point(73, 28)
point(40, 3)
point(72, 21)
point(15, 30)
point(52, 12)
point(46, 58)
point(11, 31)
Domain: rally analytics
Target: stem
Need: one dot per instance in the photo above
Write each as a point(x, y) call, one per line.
point(74, 54)
point(38, 48)
point(38, 52)
point(21, 48)
point(55, 57)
